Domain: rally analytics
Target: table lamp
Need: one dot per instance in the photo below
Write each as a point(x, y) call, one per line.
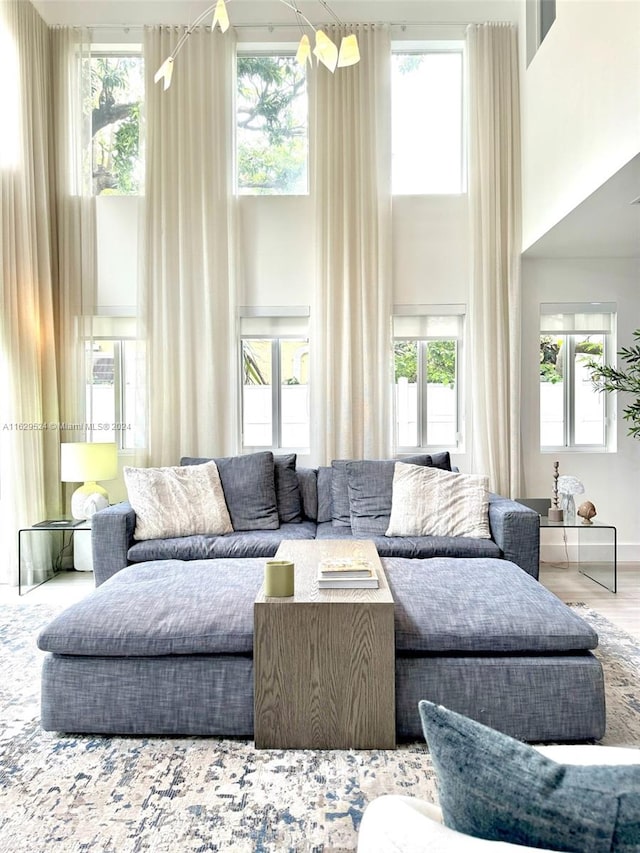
point(85, 462)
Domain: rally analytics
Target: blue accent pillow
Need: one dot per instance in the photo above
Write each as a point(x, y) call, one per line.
point(492, 786)
point(288, 496)
point(248, 483)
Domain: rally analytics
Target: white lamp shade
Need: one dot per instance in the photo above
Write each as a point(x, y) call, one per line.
point(82, 461)
point(349, 51)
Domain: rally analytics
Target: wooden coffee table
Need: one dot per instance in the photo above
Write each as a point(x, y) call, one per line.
point(324, 660)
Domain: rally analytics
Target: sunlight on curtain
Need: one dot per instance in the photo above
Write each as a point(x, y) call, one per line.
point(188, 288)
point(496, 225)
point(29, 478)
point(351, 333)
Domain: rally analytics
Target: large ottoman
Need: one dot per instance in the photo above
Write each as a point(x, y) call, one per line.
point(166, 648)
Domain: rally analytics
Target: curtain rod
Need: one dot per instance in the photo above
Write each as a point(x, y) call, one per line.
point(272, 26)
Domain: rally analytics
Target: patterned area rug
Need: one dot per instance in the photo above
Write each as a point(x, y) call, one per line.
point(190, 795)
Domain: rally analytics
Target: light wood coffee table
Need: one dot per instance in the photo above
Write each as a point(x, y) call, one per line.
point(324, 660)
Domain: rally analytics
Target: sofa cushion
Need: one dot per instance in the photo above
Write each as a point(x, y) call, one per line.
point(163, 608)
point(308, 485)
point(340, 509)
point(479, 605)
point(325, 476)
point(494, 787)
point(249, 543)
point(370, 488)
point(249, 489)
point(178, 501)
point(431, 502)
point(288, 498)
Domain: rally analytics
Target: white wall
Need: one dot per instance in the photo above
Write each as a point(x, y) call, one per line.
point(610, 479)
point(580, 108)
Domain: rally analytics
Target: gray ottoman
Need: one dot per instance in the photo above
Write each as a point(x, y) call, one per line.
point(166, 648)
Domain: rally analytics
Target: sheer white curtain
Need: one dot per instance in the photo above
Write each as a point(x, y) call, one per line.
point(29, 479)
point(188, 284)
point(494, 194)
point(351, 329)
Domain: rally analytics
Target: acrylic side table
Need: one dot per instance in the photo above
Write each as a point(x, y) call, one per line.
point(46, 556)
point(597, 545)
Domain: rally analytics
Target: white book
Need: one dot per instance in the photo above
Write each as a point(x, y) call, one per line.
point(345, 568)
point(348, 583)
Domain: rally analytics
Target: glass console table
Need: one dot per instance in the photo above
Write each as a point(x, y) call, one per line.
point(597, 549)
point(42, 556)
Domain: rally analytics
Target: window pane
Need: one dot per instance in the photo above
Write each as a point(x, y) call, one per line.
point(406, 393)
point(294, 379)
point(272, 122)
point(588, 402)
point(101, 388)
point(256, 393)
point(117, 87)
point(427, 141)
point(441, 393)
point(133, 431)
point(551, 391)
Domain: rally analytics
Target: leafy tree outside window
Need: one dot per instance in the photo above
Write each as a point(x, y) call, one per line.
point(272, 126)
point(117, 88)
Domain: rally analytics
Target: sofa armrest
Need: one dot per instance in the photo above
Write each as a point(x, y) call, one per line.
point(111, 537)
point(516, 531)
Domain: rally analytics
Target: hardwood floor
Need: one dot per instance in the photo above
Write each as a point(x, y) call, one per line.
point(621, 608)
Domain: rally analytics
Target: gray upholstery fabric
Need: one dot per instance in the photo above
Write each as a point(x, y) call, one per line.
point(370, 491)
point(438, 460)
point(174, 695)
point(481, 605)
point(340, 509)
point(516, 530)
point(250, 543)
point(494, 787)
point(111, 535)
point(288, 498)
point(249, 489)
point(163, 608)
point(537, 699)
point(308, 485)
point(325, 477)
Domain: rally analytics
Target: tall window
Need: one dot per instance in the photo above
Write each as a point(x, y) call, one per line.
point(275, 382)
point(573, 414)
point(272, 126)
point(111, 369)
point(117, 91)
point(428, 148)
point(427, 357)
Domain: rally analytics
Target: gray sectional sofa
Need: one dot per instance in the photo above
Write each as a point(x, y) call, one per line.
point(164, 645)
point(347, 499)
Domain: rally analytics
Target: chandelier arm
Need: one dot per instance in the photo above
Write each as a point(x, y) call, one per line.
point(185, 35)
point(298, 12)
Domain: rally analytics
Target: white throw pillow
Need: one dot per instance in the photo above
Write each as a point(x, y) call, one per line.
point(179, 501)
point(431, 502)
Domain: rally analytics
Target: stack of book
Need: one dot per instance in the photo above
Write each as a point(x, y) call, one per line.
point(348, 573)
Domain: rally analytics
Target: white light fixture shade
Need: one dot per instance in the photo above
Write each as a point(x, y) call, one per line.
point(303, 54)
point(349, 51)
point(326, 51)
point(220, 17)
point(85, 462)
point(165, 71)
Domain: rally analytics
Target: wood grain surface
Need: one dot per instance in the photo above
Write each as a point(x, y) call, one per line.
point(324, 660)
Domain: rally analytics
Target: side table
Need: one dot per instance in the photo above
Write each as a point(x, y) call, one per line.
point(51, 553)
point(597, 545)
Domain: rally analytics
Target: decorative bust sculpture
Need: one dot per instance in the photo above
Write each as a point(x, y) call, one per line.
point(586, 511)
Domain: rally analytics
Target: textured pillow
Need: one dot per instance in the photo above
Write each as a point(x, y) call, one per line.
point(432, 502)
point(249, 489)
point(494, 787)
point(181, 501)
point(288, 497)
point(370, 483)
point(340, 510)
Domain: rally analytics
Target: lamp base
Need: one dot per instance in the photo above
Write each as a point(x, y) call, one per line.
point(88, 499)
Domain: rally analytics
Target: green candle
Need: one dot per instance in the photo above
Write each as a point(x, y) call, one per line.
point(278, 578)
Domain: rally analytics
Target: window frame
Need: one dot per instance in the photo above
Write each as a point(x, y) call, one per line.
point(422, 405)
point(568, 353)
point(432, 46)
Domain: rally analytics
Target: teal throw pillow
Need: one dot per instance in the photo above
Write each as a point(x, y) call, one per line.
point(492, 786)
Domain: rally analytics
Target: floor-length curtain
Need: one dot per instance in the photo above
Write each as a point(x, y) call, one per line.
point(494, 194)
point(351, 333)
point(29, 479)
point(188, 283)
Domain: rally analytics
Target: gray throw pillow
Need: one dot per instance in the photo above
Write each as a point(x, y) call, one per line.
point(288, 497)
point(249, 489)
point(438, 460)
point(340, 511)
point(370, 490)
point(492, 786)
